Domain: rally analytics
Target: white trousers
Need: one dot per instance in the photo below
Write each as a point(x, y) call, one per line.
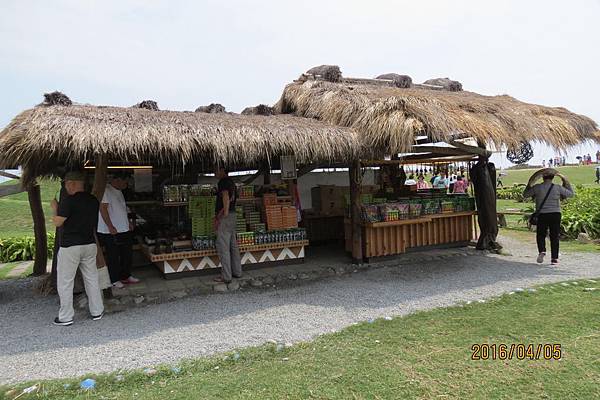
point(69, 259)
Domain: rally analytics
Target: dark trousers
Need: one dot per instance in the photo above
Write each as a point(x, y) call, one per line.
point(549, 221)
point(118, 253)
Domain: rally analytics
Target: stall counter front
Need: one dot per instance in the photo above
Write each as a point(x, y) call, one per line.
point(179, 264)
point(396, 237)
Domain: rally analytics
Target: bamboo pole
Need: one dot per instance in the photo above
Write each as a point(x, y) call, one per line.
point(355, 181)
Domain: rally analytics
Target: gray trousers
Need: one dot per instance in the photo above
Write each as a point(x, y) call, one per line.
point(69, 259)
point(227, 247)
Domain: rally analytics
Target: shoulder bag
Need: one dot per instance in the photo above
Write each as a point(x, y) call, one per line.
point(533, 218)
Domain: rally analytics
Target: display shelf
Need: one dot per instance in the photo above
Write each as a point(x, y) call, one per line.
point(453, 214)
point(410, 221)
point(213, 252)
point(260, 198)
point(142, 202)
point(175, 203)
point(422, 219)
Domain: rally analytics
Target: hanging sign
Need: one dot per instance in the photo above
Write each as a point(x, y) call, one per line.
point(142, 179)
point(288, 167)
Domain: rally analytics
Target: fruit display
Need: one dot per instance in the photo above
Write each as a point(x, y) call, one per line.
point(246, 191)
point(411, 208)
point(202, 213)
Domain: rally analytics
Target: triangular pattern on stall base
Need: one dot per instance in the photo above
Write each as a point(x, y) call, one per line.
point(185, 263)
point(248, 258)
point(267, 256)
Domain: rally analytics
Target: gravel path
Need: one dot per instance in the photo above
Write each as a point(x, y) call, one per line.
point(32, 348)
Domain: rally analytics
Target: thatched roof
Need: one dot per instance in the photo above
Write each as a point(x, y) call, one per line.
point(389, 118)
point(46, 136)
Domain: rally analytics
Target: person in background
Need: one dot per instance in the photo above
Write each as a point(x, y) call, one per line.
point(451, 181)
point(598, 156)
point(422, 183)
point(460, 186)
point(434, 176)
point(598, 174)
point(550, 163)
point(549, 215)
point(499, 180)
point(77, 214)
point(225, 224)
point(543, 163)
point(564, 160)
point(440, 182)
point(115, 231)
point(410, 181)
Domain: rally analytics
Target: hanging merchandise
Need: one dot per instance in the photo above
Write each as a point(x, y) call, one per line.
point(520, 155)
point(288, 167)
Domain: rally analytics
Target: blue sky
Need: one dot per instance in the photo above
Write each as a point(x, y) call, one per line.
point(188, 53)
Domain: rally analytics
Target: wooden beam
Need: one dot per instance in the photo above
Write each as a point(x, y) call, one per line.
point(472, 149)
point(9, 175)
point(450, 151)
point(7, 190)
point(419, 159)
point(355, 204)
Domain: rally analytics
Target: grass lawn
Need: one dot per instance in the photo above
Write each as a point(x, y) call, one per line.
point(567, 246)
point(424, 355)
point(584, 175)
point(15, 215)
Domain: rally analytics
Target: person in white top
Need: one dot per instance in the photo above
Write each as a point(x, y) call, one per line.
point(410, 181)
point(115, 231)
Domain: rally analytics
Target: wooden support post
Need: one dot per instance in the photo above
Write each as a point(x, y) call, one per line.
point(100, 173)
point(355, 203)
point(266, 173)
point(57, 239)
point(39, 228)
point(100, 176)
point(483, 176)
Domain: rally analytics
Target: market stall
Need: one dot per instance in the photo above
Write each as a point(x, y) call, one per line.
point(392, 115)
point(174, 149)
point(184, 242)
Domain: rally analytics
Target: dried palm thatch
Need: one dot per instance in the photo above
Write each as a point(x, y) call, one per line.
point(148, 105)
point(388, 118)
point(330, 73)
point(446, 83)
point(56, 99)
point(401, 81)
point(212, 108)
point(260, 109)
point(42, 138)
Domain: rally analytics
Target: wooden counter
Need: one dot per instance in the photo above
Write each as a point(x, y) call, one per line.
point(395, 237)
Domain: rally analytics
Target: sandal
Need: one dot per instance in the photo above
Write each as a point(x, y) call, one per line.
point(219, 279)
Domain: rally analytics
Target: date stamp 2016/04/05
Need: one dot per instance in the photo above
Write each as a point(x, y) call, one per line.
point(502, 351)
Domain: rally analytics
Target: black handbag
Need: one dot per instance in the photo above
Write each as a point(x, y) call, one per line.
point(533, 218)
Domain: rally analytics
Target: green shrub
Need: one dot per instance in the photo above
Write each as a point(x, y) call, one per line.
point(582, 213)
point(510, 193)
point(21, 248)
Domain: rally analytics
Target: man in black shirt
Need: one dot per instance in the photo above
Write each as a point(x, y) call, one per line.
point(78, 216)
point(225, 222)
